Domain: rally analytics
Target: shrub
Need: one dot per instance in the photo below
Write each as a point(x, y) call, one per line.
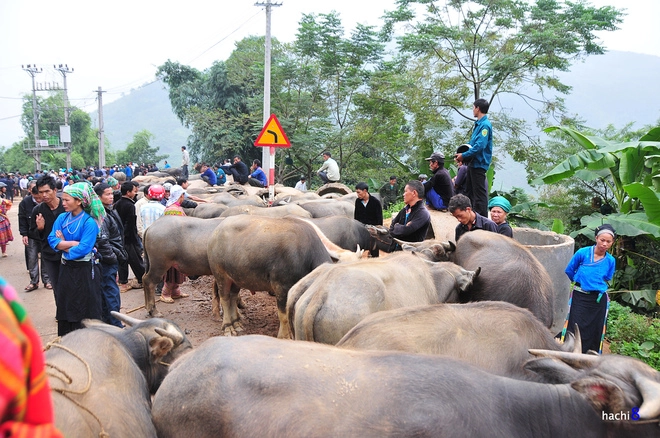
point(633, 335)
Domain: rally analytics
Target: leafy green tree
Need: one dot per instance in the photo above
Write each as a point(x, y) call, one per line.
point(495, 48)
point(140, 150)
point(15, 159)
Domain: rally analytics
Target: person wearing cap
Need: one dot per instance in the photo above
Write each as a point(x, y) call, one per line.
point(499, 206)
point(125, 208)
point(389, 192)
point(589, 270)
point(469, 220)
point(422, 178)
point(329, 172)
point(439, 189)
point(174, 277)
point(412, 222)
point(302, 184)
point(479, 156)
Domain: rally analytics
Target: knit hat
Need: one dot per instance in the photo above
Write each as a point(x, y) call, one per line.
point(500, 201)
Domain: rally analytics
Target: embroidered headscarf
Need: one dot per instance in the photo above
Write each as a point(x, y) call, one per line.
point(91, 203)
point(112, 182)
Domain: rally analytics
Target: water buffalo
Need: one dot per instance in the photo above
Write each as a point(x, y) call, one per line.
point(265, 254)
point(509, 271)
point(344, 232)
point(328, 207)
point(273, 212)
point(102, 376)
point(493, 335)
point(175, 241)
point(332, 299)
point(257, 386)
point(207, 210)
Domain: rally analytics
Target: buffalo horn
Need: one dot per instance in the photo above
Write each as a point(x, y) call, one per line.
point(177, 338)
point(128, 320)
point(577, 347)
point(579, 361)
point(448, 246)
point(650, 391)
point(403, 242)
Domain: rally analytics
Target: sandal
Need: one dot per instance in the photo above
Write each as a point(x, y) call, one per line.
point(48, 286)
point(181, 295)
point(167, 300)
point(30, 287)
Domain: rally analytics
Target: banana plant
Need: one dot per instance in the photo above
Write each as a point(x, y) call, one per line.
point(631, 170)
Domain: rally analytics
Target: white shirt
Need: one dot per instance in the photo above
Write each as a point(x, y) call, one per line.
point(332, 169)
point(301, 185)
point(186, 158)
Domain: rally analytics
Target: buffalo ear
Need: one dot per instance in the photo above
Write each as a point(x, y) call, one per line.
point(551, 370)
point(602, 394)
point(159, 347)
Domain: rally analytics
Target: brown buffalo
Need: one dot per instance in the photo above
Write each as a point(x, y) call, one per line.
point(327, 303)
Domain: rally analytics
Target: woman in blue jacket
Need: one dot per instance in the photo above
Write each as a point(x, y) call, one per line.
point(78, 295)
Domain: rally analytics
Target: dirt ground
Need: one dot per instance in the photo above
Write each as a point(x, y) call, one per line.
point(193, 314)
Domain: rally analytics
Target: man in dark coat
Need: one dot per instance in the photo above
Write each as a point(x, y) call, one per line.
point(125, 207)
point(439, 189)
point(412, 222)
point(469, 220)
point(238, 170)
point(367, 209)
point(32, 246)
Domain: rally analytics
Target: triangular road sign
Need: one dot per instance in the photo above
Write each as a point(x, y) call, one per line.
point(273, 135)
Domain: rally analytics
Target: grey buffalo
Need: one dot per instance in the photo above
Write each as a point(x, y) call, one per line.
point(273, 212)
point(264, 254)
point(492, 335)
point(328, 207)
point(509, 271)
point(257, 386)
point(327, 303)
point(344, 232)
point(175, 241)
point(102, 376)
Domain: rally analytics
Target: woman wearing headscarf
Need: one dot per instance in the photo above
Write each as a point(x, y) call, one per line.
point(6, 235)
point(78, 295)
point(499, 206)
point(174, 277)
point(589, 270)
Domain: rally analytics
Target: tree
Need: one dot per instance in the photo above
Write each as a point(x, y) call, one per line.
point(140, 150)
point(501, 47)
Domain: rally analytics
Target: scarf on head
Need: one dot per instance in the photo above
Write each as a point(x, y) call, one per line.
point(500, 201)
point(91, 203)
point(175, 193)
point(112, 182)
point(25, 403)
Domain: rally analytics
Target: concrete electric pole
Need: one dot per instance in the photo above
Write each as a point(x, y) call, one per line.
point(32, 70)
point(268, 154)
point(101, 133)
point(65, 133)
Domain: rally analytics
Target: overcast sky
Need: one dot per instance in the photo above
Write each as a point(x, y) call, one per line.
point(119, 44)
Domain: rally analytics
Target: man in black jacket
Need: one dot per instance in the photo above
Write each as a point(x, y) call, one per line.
point(110, 245)
point(32, 246)
point(41, 224)
point(125, 207)
point(412, 222)
point(439, 189)
point(368, 209)
point(238, 170)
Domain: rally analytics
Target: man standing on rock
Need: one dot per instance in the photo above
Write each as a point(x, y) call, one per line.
point(185, 161)
point(479, 157)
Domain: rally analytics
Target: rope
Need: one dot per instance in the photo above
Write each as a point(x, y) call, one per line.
point(64, 377)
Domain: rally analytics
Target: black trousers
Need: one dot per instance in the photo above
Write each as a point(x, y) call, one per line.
point(477, 190)
point(135, 261)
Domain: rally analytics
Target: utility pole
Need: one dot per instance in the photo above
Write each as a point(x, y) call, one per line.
point(65, 134)
point(32, 70)
point(268, 156)
point(101, 133)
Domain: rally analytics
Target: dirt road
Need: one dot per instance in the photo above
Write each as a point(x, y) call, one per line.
point(193, 314)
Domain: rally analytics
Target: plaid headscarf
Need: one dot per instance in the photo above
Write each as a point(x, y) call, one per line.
point(112, 182)
point(25, 404)
point(91, 203)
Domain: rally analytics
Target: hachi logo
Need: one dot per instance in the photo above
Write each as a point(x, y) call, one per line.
point(621, 416)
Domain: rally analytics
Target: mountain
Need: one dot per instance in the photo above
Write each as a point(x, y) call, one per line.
point(615, 88)
point(147, 107)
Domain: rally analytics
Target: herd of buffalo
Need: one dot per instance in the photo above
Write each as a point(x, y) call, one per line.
point(438, 340)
